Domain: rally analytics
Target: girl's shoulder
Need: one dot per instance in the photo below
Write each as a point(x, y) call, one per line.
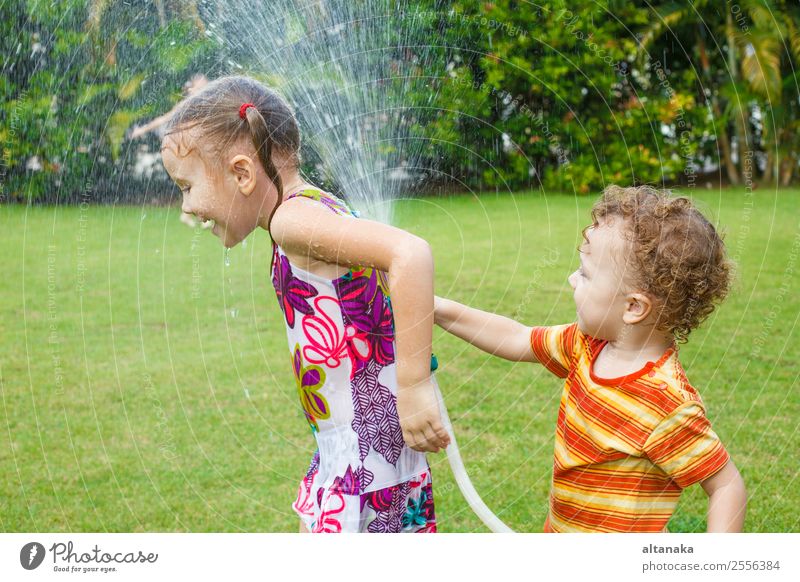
point(310, 216)
point(327, 199)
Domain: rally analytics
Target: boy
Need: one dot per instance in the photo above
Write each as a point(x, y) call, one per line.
point(631, 431)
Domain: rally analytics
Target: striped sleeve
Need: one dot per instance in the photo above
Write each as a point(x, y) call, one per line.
point(554, 347)
point(685, 447)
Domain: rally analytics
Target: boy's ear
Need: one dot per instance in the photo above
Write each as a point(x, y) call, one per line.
point(637, 307)
point(244, 170)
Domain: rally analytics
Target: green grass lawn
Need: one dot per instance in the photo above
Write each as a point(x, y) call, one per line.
point(146, 385)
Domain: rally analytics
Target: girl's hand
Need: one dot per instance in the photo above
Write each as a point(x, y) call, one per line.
point(420, 420)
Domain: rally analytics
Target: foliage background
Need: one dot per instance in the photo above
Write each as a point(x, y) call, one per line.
point(565, 96)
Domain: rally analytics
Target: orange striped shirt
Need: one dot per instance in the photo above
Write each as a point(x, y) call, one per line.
point(625, 447)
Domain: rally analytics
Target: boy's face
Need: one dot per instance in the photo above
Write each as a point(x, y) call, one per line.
point(209, 195)
point(600, 289)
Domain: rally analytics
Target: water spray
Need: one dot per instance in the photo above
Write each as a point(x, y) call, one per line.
point(349, 70)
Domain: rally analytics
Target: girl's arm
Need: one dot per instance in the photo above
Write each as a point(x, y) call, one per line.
point(495, 334)
point(727, 500)
point(309, 229)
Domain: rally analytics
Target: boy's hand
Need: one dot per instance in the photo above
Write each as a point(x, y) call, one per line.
point(418, 410)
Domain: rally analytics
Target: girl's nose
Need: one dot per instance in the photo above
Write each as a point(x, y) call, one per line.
point(572, 278)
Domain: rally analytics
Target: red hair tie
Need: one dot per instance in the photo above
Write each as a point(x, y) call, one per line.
point(243, 109)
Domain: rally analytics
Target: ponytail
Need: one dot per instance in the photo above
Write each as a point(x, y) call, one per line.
point(262, 140)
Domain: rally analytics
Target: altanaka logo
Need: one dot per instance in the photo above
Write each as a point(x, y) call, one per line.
point(31, 555)
point(681, 549)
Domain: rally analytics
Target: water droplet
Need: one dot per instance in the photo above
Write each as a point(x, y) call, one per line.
point(144, 215)
point(244, 244)
point(227, 257)
point(247, 393)
point(234, 312)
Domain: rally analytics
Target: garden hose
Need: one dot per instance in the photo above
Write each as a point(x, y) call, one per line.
point(494, 523)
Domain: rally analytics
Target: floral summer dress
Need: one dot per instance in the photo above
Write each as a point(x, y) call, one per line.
point(363, 478)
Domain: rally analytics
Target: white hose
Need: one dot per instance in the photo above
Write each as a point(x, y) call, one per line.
point(462, 479)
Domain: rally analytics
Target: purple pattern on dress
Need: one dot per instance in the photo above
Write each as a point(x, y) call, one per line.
point(314, 466)
point(347, 484)
point(365, 476)
point(375, 417)
point(428, 508)
point(293, 293)
point(390, 506)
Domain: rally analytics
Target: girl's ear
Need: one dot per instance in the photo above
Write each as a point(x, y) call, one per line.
point(244, 170)
point(637, 307)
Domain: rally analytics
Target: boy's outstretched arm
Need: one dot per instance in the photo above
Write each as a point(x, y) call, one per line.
point(495, 334)
point(727, 500)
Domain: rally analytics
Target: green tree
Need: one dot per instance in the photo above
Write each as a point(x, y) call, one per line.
point(557, 94)
point(749, 73)
point(77, 74)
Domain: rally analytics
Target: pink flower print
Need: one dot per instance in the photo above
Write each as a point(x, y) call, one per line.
point(414, 483)
point(375, 327)
point(305, 501)
point(389, 505)
point(309, 380)
point(327, 345)
point(359, 347)
point(381, 500)
point(292, 292)
point(327, 523)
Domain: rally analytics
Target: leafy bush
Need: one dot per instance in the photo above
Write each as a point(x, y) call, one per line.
point(79, 74)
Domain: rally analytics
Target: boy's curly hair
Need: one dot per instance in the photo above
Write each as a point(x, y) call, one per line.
point(678, 256)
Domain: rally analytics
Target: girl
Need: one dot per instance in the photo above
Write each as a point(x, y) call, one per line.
point(361, 361)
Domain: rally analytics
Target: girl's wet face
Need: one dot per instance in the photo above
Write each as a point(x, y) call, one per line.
point(210, 191)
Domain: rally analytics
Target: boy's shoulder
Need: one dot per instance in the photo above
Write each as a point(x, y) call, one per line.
point(666, 386)
point(661, 386)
